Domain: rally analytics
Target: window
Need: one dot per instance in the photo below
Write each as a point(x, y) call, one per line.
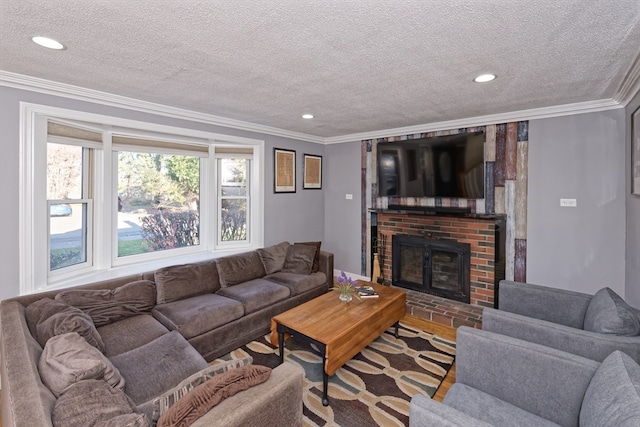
point(104, 197)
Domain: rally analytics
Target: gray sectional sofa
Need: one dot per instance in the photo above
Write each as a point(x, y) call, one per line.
point(147, 333)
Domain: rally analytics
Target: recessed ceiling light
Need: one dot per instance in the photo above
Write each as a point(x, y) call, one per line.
point(483, 78)
point(307, 116)
point(47, 42)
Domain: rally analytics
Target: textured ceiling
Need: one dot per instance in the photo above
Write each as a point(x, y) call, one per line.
point(357, 65)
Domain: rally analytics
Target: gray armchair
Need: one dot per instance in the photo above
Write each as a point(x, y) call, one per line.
point(503, 381)
point(582, 324)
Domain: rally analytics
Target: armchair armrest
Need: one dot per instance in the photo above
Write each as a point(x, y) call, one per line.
point(544, 381)
point(553, 305)
point(427, 412)
point(591, 345)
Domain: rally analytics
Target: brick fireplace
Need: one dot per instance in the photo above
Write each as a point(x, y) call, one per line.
point(482, 235)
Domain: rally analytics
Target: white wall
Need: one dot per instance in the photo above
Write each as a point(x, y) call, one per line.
point(633, 220)
point(580, 157)
point(342, 222)
point(292, 217)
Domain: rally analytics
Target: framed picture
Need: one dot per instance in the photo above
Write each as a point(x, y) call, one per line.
point(635, 153)
point(312, 172)
point(284, 171)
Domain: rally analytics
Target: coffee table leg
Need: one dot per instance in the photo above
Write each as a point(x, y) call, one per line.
point(281, 345)
point(325, 384)
point(396, 325)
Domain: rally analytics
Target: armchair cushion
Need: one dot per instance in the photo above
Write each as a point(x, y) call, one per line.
point(613, 396)
point(609, 314)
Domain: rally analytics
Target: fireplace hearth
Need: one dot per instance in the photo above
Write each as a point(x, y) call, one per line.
point(436, 267)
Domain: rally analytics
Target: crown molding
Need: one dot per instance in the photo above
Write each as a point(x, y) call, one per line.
point(49, 87)
point(627, 90)
point(630, 85)
point(513, 116)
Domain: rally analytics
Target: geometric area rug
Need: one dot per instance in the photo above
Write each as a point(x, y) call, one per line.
point(372, 389)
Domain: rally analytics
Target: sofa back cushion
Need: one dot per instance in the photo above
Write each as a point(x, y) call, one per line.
point(613, 396)
point(299, 259)
point(609, 314)
point(50, 318)
point(316, 258)
point(188, 280)
point(240, 268)
point(69, 358)
point(107, 306)
point(272, 257)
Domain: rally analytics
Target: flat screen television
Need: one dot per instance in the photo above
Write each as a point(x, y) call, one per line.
point(441, 166)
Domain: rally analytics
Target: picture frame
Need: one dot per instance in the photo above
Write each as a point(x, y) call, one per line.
point(284, 170)
point(635, 152)
point(312, 172)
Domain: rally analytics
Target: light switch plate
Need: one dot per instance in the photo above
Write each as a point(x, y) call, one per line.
point(568, 203)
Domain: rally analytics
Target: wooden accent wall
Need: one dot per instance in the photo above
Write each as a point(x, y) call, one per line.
point(506, 171)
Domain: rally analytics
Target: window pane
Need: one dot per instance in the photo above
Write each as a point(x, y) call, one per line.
point(158, 202)
point(233, 220)
point(64, 171)
point(233, 177)
point(67, 234)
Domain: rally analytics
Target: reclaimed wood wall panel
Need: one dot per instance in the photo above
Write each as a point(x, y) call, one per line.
point(521, 190)
point(511, 151)
point(501, 146)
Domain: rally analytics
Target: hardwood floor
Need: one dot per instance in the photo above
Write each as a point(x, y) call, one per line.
point(443, 331)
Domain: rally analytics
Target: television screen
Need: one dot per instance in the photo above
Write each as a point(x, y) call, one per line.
point(441, 166)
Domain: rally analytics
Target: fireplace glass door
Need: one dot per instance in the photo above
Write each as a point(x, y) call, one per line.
point(445, 274)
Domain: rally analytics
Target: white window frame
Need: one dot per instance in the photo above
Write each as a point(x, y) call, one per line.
point(250, 211)
point(34, 217)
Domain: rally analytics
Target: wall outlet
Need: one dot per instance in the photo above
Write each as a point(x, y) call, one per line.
point(568, 203)
point(348, 196)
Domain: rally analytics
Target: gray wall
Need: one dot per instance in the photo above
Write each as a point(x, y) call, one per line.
point(633, 220)
point(582, 157)
point(293, 217)
point(342, 222)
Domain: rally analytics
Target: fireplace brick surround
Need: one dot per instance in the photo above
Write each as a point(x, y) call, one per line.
point(479, 233)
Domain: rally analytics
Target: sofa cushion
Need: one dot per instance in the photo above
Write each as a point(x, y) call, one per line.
point(239, 268)
point(474, 403)
point(256, 294)
point(188, 280)
point(162, 403)
point(272, 257)
point(155, 367)
point(40, 310)
point(299, 259)
point(59, 318)
point(607, 313)
point(130, 333)
point(298, 283)
point(110, 305)
point(316, 259)
point(95, 403)
point(199, 401)
point(613, 396)
point(197, 315)
point(69, 358)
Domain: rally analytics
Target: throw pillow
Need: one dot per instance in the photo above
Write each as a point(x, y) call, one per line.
point(299, 259)
point(239, 268)
point(607, 313)
point(162, 403)
point(95, 403)
point(184, 281)
point(68, 358)
point(204, 397)
point(106, 306)
point(316, 260)
point(273, 257)
point(70, 319)
point(40, 310)
point(613, 395)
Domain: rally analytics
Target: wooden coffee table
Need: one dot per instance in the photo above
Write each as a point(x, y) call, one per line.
point(339, 330)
